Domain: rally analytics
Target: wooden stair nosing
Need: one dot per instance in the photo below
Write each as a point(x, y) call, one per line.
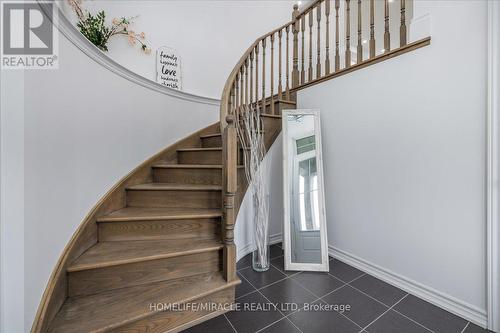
point(214, 135)
point(276, 116)
point(211, 245)
point(174, 187)
point(213, 287)
point(133, 214)
point(187, 166)
point(206, 136)
point(282, 100)
point(190, 166)
point(196, 149)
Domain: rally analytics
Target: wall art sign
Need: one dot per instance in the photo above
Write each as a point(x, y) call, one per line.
point(168, 68)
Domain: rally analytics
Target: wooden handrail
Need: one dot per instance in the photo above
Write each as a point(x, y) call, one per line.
point(234, 72)
point(297, 71)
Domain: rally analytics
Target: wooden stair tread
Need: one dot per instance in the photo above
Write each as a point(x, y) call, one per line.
point(210, 135)
point(200, 149)
point(154, 214)
point(218, 134)
point(111, 309)
point(277, 116)
point(106, 254)
point(280, 100)
point(188, 166)
point(287, 101)
point(174, 187)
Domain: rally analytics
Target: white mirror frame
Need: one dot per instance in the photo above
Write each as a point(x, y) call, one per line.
point(289, 265)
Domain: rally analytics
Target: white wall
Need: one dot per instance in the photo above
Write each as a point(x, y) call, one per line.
point(405, 159)
point(84, 129)
point(210, 36)
point(12, 201)
point(243, 230)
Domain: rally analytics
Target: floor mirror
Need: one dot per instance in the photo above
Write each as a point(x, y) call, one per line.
point(305, 235)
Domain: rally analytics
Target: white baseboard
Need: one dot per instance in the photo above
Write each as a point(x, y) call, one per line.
point(442, 300)
point(276, 238)
point(243, 251)
point(248, 248)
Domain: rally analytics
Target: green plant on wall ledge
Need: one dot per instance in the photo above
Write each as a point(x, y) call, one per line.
point(94, 28)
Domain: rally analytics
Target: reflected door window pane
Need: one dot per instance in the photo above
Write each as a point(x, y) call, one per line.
point(308, 195)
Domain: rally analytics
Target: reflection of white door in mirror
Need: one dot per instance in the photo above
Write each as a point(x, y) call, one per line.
point(305, 222)
point(305, 202)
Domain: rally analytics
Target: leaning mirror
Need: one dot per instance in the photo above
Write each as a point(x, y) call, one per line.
point(305, 239)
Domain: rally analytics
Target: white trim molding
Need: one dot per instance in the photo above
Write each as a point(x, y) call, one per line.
point(250, 247)
point(463, 309)
point(442, 300)
point(492, 172)
point(82, 43)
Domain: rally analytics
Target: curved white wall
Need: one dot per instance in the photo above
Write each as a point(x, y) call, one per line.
point(243, 230)
point(404, 160)
point(84, 129)
point(210, 36)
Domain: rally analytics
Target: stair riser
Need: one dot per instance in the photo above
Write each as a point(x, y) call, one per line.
point(279, 106)
point(166, 229)
point(176, 321)
point(200, 157)
point(188, 176)
point(173, 199)
point(97, 280)
point(269, 125)
point(211, 142)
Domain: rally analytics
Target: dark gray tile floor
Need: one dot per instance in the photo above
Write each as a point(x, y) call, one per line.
point(344, 300)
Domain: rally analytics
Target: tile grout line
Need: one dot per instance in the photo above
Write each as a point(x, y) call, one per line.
point(242, 268)
point(329, 293)
point(343, 315)
point(284, 317)
point(321, 299)
point(318, 298)
point(272, 283)
point(239, 270)
point(230, 323)
point(358, 277)
point(257, 290)
point(389, 309)
point(284, 272)
point(349, 284)
point(271, 324)
point(291, 322)
point(416, 322)
point(236, 298)
point(251, 292)
point(277, 321)
point(466, 325)
point(413, 320)
point(370, 296)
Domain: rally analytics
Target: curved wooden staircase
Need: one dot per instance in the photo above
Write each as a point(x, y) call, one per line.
point(155, 240)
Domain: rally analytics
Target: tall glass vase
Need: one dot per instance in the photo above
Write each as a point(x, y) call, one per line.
point(261, 258)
